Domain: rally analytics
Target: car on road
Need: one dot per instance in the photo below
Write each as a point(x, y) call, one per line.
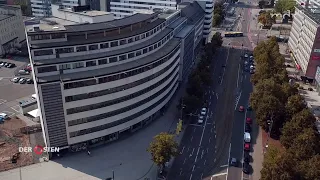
point(203, 111)
point(200, 120)
point(248, 120)
point(12, 65)
point(15, 79)
point(22, 80)
point(247, 137)
point(251, 57)
point(247, 128)
point(23, 72)
point(4, 115)
point(29, 81)
point(251, 71)
point(246, 69)
point(246, 168)
point(241, 109)
point(246, 156)
point(252, 67)
point(234, 162)
point(247, 146)
point(246, 62)
point(246, 55)
point(249, 108)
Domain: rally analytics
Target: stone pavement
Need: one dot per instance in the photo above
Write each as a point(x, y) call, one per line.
point(257, 156)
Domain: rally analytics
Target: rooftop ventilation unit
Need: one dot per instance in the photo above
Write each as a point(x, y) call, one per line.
point(315, 11)
point(55, 27)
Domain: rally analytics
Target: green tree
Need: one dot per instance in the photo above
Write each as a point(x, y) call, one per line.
point(306, 144)
point(295, 104)
point(191, 102)
point(283, 5)
point(265, 19)
point(194, 86)
point(217, 20)
point(162, 148)
point(309, 169)
point(216, 40)
point(278, 165)
point(303, 119)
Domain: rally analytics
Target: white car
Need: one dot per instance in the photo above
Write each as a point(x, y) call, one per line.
point(251, 67)
point(15, 79)
point(2, 64)
point(246, 55)
point(203, 111)
point(251, 57)
point(246, 62)
point(200, 120)
point(4, 115)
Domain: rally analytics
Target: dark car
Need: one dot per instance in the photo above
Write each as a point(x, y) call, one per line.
point(234, 162)
point(7, 65)
point(246, 168)
point(248, 128)
point(246, 69)
point(249, 108)
point(12, 65)
point(251, 71)
point(246, 157)
point(29, 81)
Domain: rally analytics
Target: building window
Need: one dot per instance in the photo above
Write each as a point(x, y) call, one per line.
point(123, 42)
point(64, 66)
point(78, 65)
point(155, 46)
point(90, 63)
point(137, 38)
point(150, 48)
point(130, 40)
point(114, 43)
point(47, 69)
point(147, 34)
point(105, 45)
point(78, 84)
point(57, 36)
point(103, 61)
point(154, 30)
point(81, 48)
point(113, 59)
point(40, 37)
point(159, 44)
point(145, 50)
point(93, 47)
point(138, 53)
point(122, 57)
point(131, 55)
point(43, 52)
point(151, 32)
point(65, 50)
point(143, 36)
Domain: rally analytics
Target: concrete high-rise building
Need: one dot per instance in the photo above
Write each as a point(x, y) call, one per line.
point(304, 41)
point(99, 79)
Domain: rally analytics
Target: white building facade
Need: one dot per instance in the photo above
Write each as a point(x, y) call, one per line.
point(97, 82)
point(11, 29)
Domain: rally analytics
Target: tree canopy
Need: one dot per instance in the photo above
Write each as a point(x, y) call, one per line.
point(265, 19)
point(162, 148)
point(218, 14)
point(283, 5)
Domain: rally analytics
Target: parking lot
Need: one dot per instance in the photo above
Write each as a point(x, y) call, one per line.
point(10, 92)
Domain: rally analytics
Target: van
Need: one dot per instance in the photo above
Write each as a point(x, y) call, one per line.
point(247, 137)
point(4, 115)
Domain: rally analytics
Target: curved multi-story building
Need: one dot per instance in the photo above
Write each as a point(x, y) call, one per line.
point(98, 81)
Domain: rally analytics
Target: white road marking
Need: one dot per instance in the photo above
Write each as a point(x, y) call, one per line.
point(215, 136)
point(237, 100)
point(210, 102)
point(15, 108)
point(217, 96)
point(207, 150)
point(221, 174)
point(2, 101)
point(194, 129)
point(224, 70)
point(209, 139)
point(192, 152)
point(188, 149)
point(205, 162)
point(215, 160)
point(195, 160)
point(195, 125)
point(190, 177)
point(225, 165)
point(184, 161)
point(211, 130)
point(202, 154)
point(193, 167)
point(10, 114)
point(201, 175)
point(210, 97)
point(180, 172)
point(238, 76)
point(182, 150)
point(191, 138)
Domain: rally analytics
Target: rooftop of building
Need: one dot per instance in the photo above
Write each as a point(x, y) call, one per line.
point(312, 13)
point(185, 31)
point(4, 16)
point(9, 7)
point(91, 13)
point(165, 50)
point(193, 12)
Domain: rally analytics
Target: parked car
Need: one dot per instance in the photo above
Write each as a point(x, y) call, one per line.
point(4, 115)
point(247, 146)
point(241, 109)
point(203, 111)
point(247, 137)
point(12, 65)
point(23, 72)
point(29, 81)
point(248, 120)
point(246, 55)
point(200, 120)
point(246, 156)
point(246, 168)
point(249, 108)
point(247, 128)
point(22, 80)
point(234, 162)
point(2, 64)
point(15, 79)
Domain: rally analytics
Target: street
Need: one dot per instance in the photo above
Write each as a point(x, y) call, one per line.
point(206, 148)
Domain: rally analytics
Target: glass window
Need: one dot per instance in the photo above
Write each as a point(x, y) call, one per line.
point(122, 57)
point(78, 65)
point(138, 53)
point(154, 30)
point(114, 43)
point(147, 34)
point(150, 48)
point(151, 32)
point(81, 48)
point(137, 38)
point(155, 46)
point(43, 52)
point(123, 41)
point(145, 50)
point(90, 63)
point(103, 61)
point(113, 59)
point(143, 36)
point(65, 50)
point(105, 45)
point(47, 69)
point(93, 47)
point(130, 40)
point(159, 43)
point(130, 55)
point(64, 66)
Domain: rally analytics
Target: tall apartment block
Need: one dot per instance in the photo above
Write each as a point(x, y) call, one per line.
point(304, 41)
point(99, 80)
